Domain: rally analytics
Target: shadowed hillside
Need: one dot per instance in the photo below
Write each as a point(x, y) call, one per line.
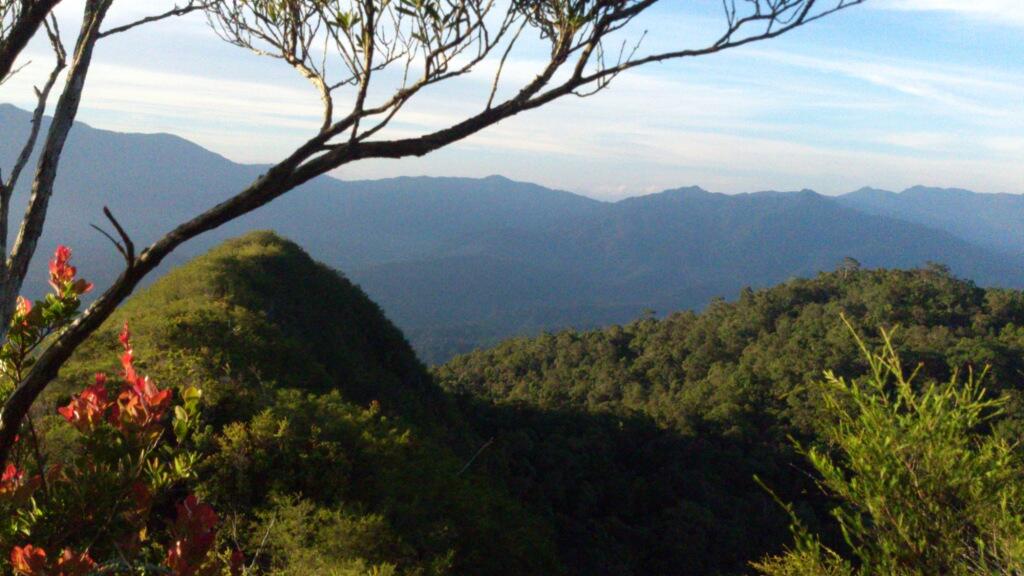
point(659, 426)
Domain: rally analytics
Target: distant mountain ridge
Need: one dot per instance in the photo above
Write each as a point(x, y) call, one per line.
point(461, 262)
point(990, 220)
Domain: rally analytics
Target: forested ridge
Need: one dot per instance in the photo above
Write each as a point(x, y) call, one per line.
point(740, 368)
point(693, 406)
point(633, 449)
point(328, 449)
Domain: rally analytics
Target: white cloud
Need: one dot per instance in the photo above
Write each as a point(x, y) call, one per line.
point(923, 141)
point(961, 90)
point(759, 119)
point(218, 113)
point(1007, 145)
point(1010, 12)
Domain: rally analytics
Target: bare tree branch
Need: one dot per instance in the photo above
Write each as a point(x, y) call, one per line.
point(12, 73)
point(49, 158)
point(192, 6)
point(501, 64)
point(42, 96)
point(126, 247)
point(729, 39)
point(129, 246)
point(19, 21)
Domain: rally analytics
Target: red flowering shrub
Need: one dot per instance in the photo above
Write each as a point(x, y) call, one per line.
point(140, 406)
point(33, 322)
point(62, 275)
point(138, 410)
point(15, 488)
point(28, 560)
point(194, 531)
point(87, 410)
point(32, 561)
point(131, 454)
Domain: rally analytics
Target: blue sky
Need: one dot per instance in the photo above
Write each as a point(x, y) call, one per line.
point(889, 94)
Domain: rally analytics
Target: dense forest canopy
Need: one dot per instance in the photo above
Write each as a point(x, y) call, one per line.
point(631, 449)
point(741, 367)
point(718, 396)
point(255, 412)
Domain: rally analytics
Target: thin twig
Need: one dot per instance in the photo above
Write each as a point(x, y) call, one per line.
point(263, 542)
point(176, 11)
point(471, 460)
point(112, 240)
point(129, 246)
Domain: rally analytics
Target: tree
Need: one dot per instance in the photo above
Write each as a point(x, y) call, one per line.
point(399, 47)
point(922, 483)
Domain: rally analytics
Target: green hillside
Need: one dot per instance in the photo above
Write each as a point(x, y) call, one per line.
point(621, 451)
point(257, 313)
point(327, 434)
point(644, 438)
point(739, 368)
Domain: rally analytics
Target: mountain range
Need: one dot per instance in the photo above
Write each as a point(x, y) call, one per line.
point(458, 263)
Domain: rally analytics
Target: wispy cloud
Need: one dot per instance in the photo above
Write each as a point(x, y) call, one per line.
point(923, 141)
point(965, 90)
point(1010, 12)
point(788, 115)
point(218, 113)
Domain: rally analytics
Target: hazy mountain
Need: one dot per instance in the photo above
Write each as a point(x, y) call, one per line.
point(154, 181)
point(668, 251)
point(459, 262)
point(991, 220)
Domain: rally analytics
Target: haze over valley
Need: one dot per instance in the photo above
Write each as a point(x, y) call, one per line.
point(460, 263)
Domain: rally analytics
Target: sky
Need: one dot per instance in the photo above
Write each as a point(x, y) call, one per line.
point(889, 94)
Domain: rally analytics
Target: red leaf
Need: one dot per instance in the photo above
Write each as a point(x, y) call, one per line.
point(30, 561)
